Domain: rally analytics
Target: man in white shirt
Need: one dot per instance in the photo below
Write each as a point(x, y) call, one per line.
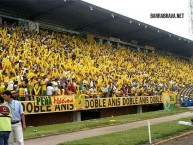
point(50, 89)
point(11, 85)
point(17, 120)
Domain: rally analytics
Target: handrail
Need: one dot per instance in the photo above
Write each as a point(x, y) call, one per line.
point(190, 92)
point(186, 91)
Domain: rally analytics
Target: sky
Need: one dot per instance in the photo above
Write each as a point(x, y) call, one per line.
point(141, 9)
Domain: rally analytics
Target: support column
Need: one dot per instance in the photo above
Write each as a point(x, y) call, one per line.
point(139, 109)
point(76, 116)
point(1, 21)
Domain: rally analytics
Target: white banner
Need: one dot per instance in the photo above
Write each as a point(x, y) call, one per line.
point(23, 24)
point(29, 25)
point(34, 26)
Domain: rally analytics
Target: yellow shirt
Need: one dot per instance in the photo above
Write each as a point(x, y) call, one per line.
point(5, 122)
point(2, 88)
point(43, 84)
point(21, 92)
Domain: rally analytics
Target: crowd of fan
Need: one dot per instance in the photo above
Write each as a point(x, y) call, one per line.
point(52, 63)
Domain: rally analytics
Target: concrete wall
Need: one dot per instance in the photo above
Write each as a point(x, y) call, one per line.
point(108, 112)
point(63, 117)
point(48, 118)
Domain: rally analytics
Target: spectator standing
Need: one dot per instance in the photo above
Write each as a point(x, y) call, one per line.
point(18, 118)
point(50, 89)
point(5, 122)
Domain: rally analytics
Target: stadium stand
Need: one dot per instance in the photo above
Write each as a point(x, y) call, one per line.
point(48, 49)
point(54, 63)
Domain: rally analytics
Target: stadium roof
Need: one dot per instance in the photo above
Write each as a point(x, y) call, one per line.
point(81, 16)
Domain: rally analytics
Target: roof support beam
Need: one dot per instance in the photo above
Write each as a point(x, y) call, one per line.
point(42, 14)
point(83, 28)
point(157, 39)
point(128, 33)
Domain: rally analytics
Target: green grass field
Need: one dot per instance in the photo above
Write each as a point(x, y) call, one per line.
point(134, 136)
point(35, 132)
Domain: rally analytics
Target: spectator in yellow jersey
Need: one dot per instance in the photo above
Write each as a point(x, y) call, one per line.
point(22, 93)
point(5, 122)
point(43, 86)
